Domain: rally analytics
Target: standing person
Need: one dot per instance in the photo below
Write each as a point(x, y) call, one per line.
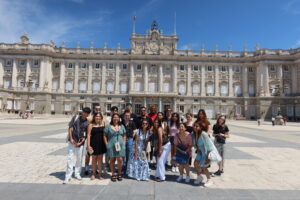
point(153, 113)
point(189, 122)
point(128, 108)
point(96, 146)
point(162, 148)
point(115, 139)
point(76, 137)
point(168, 115)
point(138, 167)
point(96, 109)
point(130, 134)
point(173, 131)
point(273, 121)
point(202, 117)
point(220, 132)
point(204, 146)
point(143, 115)
point(284, 120)
point(258, 122)
point(183, 143)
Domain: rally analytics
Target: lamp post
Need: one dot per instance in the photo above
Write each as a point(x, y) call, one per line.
point(28, 85)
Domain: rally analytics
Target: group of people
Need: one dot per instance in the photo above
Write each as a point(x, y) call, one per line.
point(137, 142)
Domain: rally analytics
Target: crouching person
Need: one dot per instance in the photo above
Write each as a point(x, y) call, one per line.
point(76, 138)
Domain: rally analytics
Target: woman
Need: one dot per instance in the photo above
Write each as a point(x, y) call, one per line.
point(115, 139)
point(203, 146)
point(138, 167)
point(162, 148)
point(183, 143)
point(220, 132)
point(96, 146)
point(189, 122)
point(202, 117)
point(173, 131)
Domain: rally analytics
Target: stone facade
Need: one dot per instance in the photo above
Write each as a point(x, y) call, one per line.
point(47, 79)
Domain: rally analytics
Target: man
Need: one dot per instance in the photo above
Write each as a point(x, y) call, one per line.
point(143, 115)
point(153, 113)
point(168, 114)
point(76, 138)
point(130, 134)
point(113, 110)
point(96, 109)
point(132, 115)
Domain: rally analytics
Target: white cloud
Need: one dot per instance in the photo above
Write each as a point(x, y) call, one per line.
point(293, 7)
point(191, 46)
point(18, 16)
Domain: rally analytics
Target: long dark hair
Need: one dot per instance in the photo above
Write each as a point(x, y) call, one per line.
point(112, 117)
point(203, 126)
point(94, 116)
point(203, 112)
point(145, 120)
point(178, 120)
point(217, 122)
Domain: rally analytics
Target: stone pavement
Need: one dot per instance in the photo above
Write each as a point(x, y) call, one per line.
point(261, 163)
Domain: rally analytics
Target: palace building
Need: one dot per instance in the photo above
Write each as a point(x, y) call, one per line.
point(47, 79)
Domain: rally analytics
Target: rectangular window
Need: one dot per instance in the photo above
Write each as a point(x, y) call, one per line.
point(108, 107)
point(250, 69)
point(209, 68)
point(168, 68)
point(70, 66)
point(108, 98)
point(83, 65)
point(272, 68)
point(181, 67)
point(237, 69)
point(35, 62)
point(22, 62)
point(56, 65)
point(124, 66)
point(8, 62)
point(274, 110)
point(110, 66)
point(181, 109)
point(223, 68)
point(97, 66)
point(137, 108)
point(286, 68)
point(238, 110)
point(139, 67)
point(196, 68)
point(290, 111)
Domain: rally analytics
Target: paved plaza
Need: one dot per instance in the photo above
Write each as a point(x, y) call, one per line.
point(262, 162)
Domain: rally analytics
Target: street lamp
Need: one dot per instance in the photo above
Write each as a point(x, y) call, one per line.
point(28, 85)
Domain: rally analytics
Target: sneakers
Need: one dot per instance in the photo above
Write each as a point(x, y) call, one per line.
point(67, 180)
point(78, 177)
point(173, 169)
point(218, 173)
point(187, 179)
point(208, 183)
point(179, 179)
point(198, 180)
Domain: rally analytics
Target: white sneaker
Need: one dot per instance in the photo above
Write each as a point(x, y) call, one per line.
point(179, 179)
point(176, 169)
point(78, 177)
point(208, 183)
point(187, 179)
point(198, 180)
point(173, 169)
point(67, 180)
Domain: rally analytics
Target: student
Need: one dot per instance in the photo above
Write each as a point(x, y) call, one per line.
point(204, 145)
point(202, 117)
point(189, 122)
point(138, 167)
point(220, 132)
point(130, 134)
point(183, 143)
point(143, 115)
point(96, 109)
point(173, 130)
point(153, 113)
point(162, 148)
point(168, 115)
point(96, 146)
point(76, 137)
point(115, 139)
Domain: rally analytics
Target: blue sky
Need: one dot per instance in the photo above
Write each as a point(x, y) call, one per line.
point(271, 23)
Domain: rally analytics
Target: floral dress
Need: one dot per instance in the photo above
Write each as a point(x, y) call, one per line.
point(139, 168)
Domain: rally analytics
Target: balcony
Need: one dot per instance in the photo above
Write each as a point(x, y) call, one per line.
point(209, 94)
point(82, 91)
point(68, 91)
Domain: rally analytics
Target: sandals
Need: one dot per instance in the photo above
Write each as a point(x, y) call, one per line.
point(113, 178)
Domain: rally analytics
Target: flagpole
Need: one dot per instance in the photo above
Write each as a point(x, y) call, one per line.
point(134, 19)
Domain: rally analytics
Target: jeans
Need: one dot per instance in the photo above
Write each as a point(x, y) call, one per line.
point(129, 144)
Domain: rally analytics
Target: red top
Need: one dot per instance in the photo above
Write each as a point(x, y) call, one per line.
point(152, 116)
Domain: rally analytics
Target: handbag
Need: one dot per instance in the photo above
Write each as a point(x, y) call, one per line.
point(181, 158)
point(213, 155)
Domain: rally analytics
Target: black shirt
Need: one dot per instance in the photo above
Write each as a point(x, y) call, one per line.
point(220, 129)
point(130, 127)
point(79, 128)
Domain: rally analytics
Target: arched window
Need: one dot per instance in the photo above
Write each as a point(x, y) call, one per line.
point(152, 87)
point(69, 86)
point(7, 83)
point(210, 89)
point(182, 88)
point(96, 86)
point(110, 86)
point(82, 86)
point(167, 87)
point(224, 90)
point(196, 89)
point(237, 90)
point(123, 87)
point(251, 90)
point(138, 86)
